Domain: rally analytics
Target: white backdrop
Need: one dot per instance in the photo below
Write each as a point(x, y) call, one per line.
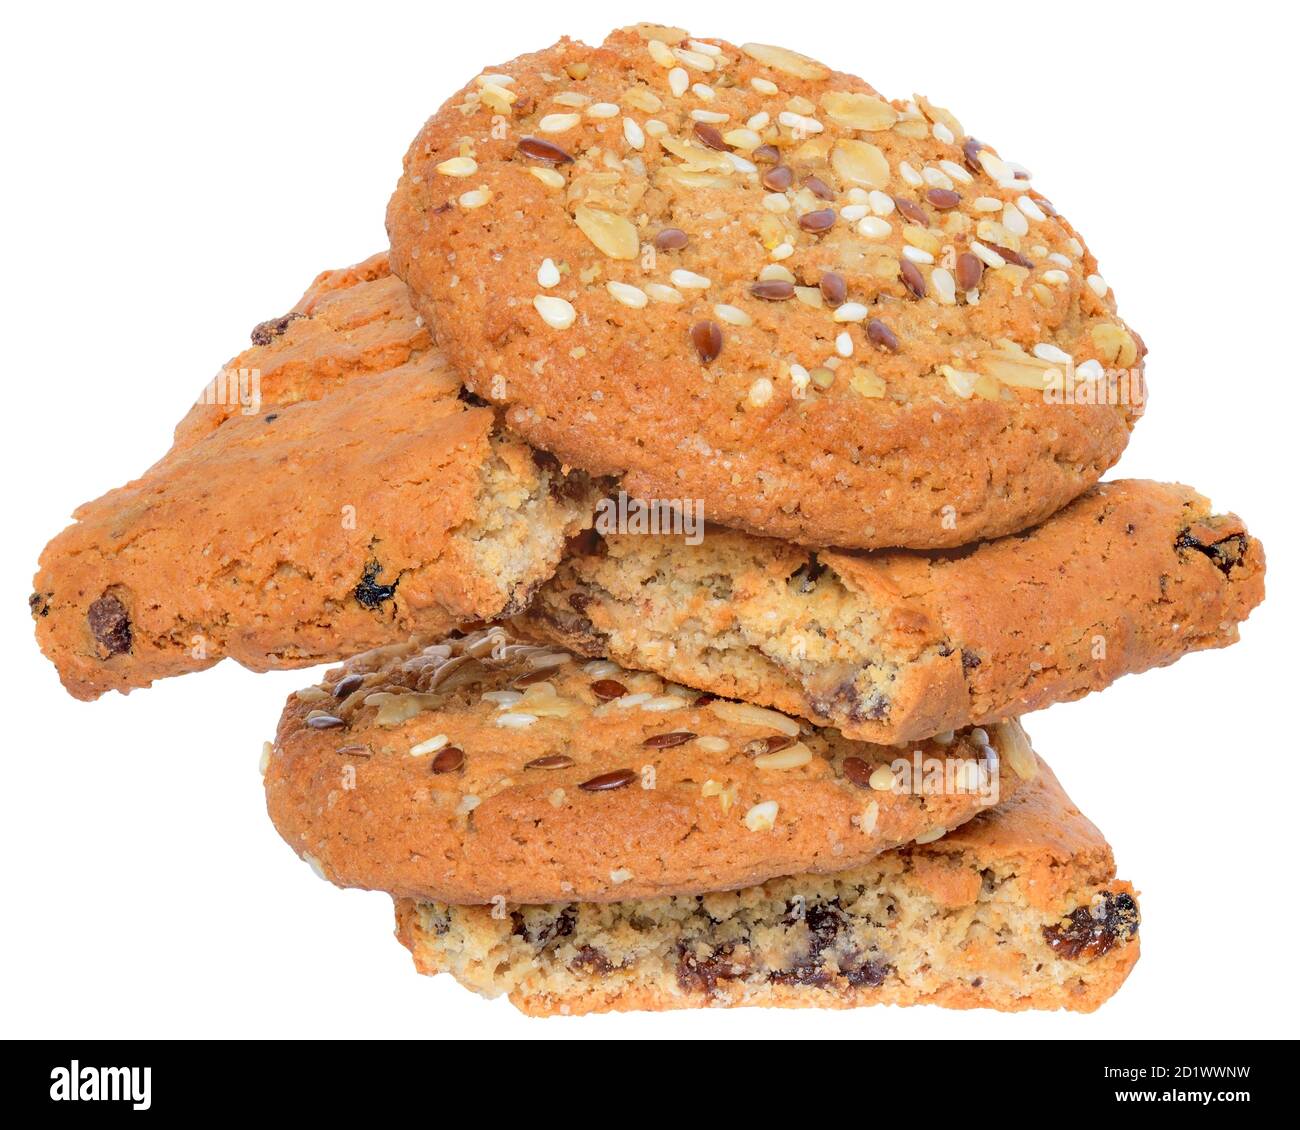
point(171, 178)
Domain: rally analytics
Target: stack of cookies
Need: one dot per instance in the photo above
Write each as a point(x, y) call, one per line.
point(697, 493)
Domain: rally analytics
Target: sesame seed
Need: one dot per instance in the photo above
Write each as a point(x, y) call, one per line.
point(996, 168)
point(792, 757)
point(987, 255)
point(661, 292)
point(800, 123)
point(882, 204)
point(740, 164)
point(936, 177)
point(988, 204)
point(1045, 351)
point(1030, 208)
point(1055, 277)
point(1056, 257)
point(556, 312)
point(782, 251)
point(956, 172)
point(882, 779)
point(516, 720)
point(776, 271)
point(689, 280)
point(661, 53)
point(764, 86)
point(654, 127)
point(548, 177)
point(930, 836)
point(1100, 287)
point(945, 286)
point(1089, 370)
point(678, 81)
point(475, 197)
point(627, 295)
point(703, 91)
point(704, 48)
point(745, 139)
point(873, 227)
point(943, 133)
point(633, 134)
point(844, 344)
point(732, 315)
point(570, 98)
point(799, 378)
point(1014, 220)
point(694, 59)
point(761, 392)
point(853, 212)
point(961, 382)
point(909, 174)
point(458, 167)
point(548, 274)
point(917, 254)
point(850, 312)
point(602, 110)
point(711, 744)
point(558, 123)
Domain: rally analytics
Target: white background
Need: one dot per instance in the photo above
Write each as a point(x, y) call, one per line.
point(171, 177)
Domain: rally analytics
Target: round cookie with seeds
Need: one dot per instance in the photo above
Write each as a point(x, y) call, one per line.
point(480, 768)
point(730, 273)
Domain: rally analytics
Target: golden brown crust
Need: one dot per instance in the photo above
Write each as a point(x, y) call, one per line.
point(1019, 908)
point(941, 437)
point(701, 813)
point(359, 502)
point(893, 646)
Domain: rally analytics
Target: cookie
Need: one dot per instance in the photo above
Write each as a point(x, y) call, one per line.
point(1017, 909)
point(481, 769)
point(727, 273)
point(363, 501)
point(894, 646)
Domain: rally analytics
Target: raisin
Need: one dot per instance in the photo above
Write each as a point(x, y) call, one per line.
point(1081, 934)
point(824, 921)
point(591, 960)
point(110, 624)
point(561, 926)
point(39, 603)
point(266, 332)
point(969, 660)
point(1225, 554)
point(702, 974)
point(804, 579)
point(472, 399)
point(868, 975)
point(271, 419)
point(369, 593)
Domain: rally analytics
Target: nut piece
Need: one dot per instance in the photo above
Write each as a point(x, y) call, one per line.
point(1013, 745)
point(786, 61)
point(861, 163)
point(747, 715)
point(855, 110)
point(612, 234)
point(762, 817)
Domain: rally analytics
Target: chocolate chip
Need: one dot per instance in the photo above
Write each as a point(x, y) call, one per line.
point(817, 222)
point(1083, 935)
point(1011, 256)
point(774, 290)
point(857, 772)
point(778, 178)
point(711, 136)
point(271, 418)
point(667, 741)
point(818, 187)
point(447, 760)
point(943, 198)
point(604, 782)
point(671, 239)
point(707, 339)
point(550, 761)
point(323, 722)
point(346, 685)
point(911, 210)
point(760, 746)
point(369, 593)
point(880, 334)
point(110, 624)
point(539, 149)
point(970, 269)
point(766, 153)
point(912, 278)
point(970, 151)
point(266, 332)
point(605, 689)
point(833, 287)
